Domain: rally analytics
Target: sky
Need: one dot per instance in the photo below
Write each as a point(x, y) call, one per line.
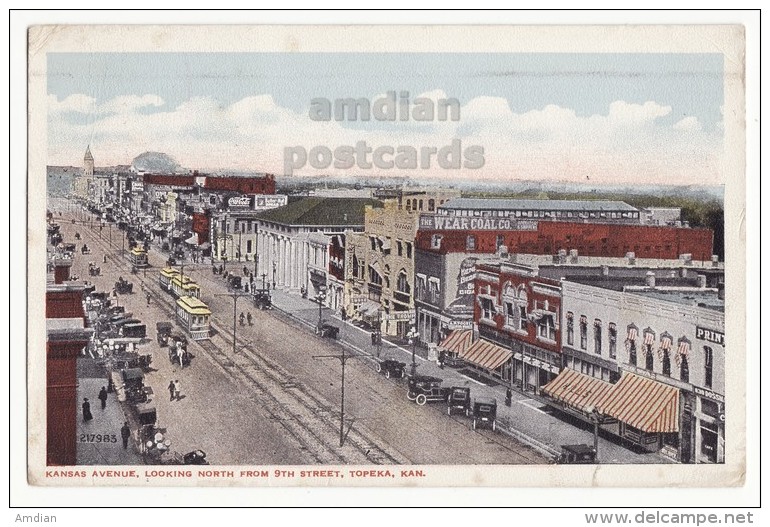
point(607, 118)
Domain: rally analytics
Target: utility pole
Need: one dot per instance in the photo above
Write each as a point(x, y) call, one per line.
point(235, 295)
point(343, 359)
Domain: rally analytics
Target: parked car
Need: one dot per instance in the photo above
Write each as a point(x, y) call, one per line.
point(164, 331)
point(485, 413)
point(390, 368)
point(426, 389)
point(327, 330)
point(262, 299)
point(459, 400)
point(577, 454)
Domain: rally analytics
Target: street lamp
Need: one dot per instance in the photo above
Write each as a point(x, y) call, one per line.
point(596, 418)
point(320, 297)
point(412, 336)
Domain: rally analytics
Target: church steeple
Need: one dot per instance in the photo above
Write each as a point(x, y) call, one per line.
point(88, 163)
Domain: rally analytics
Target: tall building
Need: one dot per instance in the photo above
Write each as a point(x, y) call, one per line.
point(88, 163)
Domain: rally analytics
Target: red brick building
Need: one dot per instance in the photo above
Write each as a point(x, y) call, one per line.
point(516, 315)
point(66, 338)
point(549, 237)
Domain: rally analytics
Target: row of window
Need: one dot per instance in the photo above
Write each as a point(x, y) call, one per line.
point(647, 343)
point(402, 248)
point(541, 214)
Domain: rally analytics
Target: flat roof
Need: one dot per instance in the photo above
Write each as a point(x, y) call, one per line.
point(536, 204)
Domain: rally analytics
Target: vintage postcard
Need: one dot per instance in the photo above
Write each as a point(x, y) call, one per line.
point(481, 256)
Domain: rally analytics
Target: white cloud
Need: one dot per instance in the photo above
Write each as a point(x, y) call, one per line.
point(632, 143)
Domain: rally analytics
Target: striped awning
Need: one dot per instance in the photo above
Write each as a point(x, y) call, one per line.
point(577, 390)
point(457, 341)
point(643, 403)
point(487, 355)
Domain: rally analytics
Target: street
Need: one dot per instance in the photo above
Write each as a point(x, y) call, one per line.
point(273, 402)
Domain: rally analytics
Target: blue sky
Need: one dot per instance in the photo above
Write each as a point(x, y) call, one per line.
point(686, 90)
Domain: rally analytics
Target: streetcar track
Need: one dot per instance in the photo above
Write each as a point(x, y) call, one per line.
point(315, 426)
point(365, 449)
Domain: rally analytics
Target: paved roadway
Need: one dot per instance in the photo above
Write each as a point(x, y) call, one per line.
point(273, 402)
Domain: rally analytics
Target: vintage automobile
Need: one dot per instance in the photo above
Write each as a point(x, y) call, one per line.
point(134, 330)
point(426, 389)
point(196, 457)
point(164, 331)
point(262, 299)
point(390, 368)
point(327, 330)
point(234, 281)
point(485, 413)
point(459, 400)
point(178, 354)
point(577, 454)
point(124, 287)
point(133, 384)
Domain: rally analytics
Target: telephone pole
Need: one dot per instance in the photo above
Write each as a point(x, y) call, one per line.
point(235, 295)
point(343, 359)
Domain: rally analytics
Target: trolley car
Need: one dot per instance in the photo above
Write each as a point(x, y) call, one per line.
point(194, 316)
point(138, 257)
point(166, 275)
point(184, 286)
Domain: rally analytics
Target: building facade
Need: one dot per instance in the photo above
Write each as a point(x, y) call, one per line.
point(672, 338)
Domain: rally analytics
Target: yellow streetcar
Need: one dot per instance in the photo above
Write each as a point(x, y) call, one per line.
point(194, 316)
point(185, 286)
point(167, 274)
point(138, 257)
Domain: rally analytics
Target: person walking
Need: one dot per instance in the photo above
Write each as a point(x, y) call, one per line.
point(125, 433)
point(171, 390)
point(178, 388)
point(148, 299)
point(248, 317)
point(104, 259)
point(87, 410)
point(103, 397)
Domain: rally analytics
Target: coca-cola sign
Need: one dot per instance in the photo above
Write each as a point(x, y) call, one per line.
point(240, 202)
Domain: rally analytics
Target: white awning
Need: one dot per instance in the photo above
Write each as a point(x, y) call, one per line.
point(192, 240)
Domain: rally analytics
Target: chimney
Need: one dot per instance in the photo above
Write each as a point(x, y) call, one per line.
point(702, 281)
point(649, 279)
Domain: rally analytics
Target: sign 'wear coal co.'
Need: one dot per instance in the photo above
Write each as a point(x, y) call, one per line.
point(452, 223)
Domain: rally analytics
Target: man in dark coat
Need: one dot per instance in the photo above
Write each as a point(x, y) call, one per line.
point(171, 390)
point(87, 410)
point(125, 433)
point(103, 397)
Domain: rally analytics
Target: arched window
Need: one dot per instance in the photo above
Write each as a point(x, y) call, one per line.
point(647, 345)
point(664, 353)
point(598, 336)
point(402, 283)
point(633, 333)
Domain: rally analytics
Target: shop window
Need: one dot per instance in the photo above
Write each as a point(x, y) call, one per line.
point(570, 328)
point(708, 355)
point(613, 340)
point(583, 332)
point(598, 336)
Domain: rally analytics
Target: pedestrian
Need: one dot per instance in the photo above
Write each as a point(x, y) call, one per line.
point(87, 410)
point(171, 390)
point(178, 390)
point(344, 314)
point(148, 299)
point(103, 397)
point(248, 317)
point(110, 384)
point(441, 359)
point(125, 433)
point(508, 397)
point(104, 258)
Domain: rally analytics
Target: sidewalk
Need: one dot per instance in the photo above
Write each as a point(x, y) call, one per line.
point(99, 441)
point(529, 419)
